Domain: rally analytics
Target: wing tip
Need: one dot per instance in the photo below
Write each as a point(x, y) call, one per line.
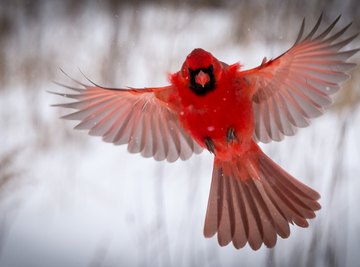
point(301, 32)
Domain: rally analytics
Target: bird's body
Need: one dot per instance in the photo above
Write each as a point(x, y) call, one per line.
point(216, 106)
point(212, 115)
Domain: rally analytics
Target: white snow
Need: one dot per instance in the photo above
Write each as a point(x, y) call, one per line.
point(80, 202)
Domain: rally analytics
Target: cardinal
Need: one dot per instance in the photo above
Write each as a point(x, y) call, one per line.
point(228, 111)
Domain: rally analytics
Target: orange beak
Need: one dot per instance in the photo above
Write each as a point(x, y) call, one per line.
point(202, 78)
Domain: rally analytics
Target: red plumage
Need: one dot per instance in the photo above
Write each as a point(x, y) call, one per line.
point(212, 105)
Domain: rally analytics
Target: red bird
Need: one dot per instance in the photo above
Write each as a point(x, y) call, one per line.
point(216, 106)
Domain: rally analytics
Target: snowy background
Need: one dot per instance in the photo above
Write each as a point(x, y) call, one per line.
point(67, 199)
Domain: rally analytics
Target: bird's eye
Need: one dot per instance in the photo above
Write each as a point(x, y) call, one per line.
point(191, 71)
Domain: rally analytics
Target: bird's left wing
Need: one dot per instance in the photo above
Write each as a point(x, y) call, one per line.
point(296, 86)
point(137, 117)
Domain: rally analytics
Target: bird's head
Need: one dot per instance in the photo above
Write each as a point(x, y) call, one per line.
point(201, 71)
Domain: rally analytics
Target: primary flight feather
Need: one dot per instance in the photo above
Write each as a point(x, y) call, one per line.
point(216, 106)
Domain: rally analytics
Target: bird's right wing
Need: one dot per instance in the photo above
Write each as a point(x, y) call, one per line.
point(137, 117)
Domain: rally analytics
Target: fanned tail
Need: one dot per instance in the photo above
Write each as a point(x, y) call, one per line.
point(252, 200)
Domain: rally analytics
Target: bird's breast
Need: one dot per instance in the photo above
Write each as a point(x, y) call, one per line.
point(222, 117)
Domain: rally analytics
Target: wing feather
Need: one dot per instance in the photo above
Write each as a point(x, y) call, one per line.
point(295, 87)
point(136, 117)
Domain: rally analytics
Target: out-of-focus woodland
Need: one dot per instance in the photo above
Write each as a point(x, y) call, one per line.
point(67, 199)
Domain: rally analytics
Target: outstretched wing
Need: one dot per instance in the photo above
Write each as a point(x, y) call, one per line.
point(136, 117)
point(296, 86)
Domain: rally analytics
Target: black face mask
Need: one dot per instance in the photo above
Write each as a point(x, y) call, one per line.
point(197, 88)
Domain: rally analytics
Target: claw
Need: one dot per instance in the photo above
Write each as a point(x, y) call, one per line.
point(210, 144)
point(230, 135)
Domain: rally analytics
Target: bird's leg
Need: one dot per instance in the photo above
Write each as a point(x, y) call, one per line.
point(210, 144)
point(230, 135)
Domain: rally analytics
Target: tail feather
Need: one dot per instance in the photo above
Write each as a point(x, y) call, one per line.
point(252, 200)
